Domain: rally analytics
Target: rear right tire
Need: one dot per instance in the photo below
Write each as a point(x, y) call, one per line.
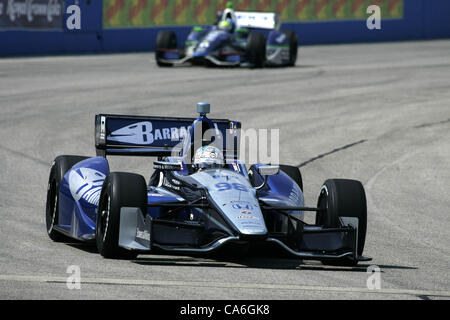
point(294, 173)
point(293, 47)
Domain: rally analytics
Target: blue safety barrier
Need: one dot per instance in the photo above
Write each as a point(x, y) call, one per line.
point(422, 19)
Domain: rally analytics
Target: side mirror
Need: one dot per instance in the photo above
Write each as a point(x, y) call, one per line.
point(170, 166)
point(268, 170)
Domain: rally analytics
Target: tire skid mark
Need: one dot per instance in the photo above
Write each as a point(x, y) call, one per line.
point(26, 156)
point(196, 284)
point(430, 124)
point(320, 156)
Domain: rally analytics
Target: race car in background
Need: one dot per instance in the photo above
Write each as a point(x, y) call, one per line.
point(250, 39)
point(185, 208)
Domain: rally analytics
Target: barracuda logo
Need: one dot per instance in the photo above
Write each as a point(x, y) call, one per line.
point(143, 133)
point(86, 183)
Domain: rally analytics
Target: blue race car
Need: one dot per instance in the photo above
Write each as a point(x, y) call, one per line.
point(250, 39)
point(200, 198)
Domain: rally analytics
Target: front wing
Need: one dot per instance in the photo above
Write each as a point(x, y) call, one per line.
point(313, 242)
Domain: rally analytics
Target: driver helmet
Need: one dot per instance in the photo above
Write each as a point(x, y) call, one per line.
point(226, 25)
point(208, 157)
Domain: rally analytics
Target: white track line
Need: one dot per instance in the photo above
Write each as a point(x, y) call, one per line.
point(173, 283)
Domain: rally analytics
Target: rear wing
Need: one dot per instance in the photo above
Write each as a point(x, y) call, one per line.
point(154, 136)
point(257, 20)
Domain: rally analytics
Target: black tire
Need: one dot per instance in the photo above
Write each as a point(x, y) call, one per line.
point(346, 198)
point(256, 49)
point(294, 173)
point(165, 40)
point(119, 190)
point(60, 166)
point(293, 47)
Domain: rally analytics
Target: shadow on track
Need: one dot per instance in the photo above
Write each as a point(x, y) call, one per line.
point(277, 261)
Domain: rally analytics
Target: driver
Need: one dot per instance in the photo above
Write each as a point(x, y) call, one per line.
point(208, 157)
point(227, 25)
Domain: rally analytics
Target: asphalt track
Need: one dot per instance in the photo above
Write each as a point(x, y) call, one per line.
point(379, 113)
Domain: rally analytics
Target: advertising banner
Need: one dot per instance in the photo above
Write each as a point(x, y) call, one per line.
point(148, 13)
point(31, 14)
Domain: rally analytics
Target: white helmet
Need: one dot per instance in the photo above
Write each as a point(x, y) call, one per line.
point(208, 157)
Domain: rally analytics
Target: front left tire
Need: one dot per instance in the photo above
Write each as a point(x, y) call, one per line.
point(166, 40)
point(60, 167)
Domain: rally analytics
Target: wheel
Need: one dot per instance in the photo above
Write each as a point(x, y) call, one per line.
point(119, 190)
point(294, 173)
point(256, 49)
point(343, 198)
point(60, 166)
point(293, 47)
point(165, 40)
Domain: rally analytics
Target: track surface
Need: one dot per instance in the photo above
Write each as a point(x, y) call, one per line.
point(379, 113)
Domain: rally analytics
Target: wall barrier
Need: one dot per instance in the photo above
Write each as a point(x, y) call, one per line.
point(36, 27)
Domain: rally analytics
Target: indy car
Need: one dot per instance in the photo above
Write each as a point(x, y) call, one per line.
point(192, 204)
point(248, 39)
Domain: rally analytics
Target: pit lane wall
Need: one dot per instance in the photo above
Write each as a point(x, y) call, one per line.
point(32, 27)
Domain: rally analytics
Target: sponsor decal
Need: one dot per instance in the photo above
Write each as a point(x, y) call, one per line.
point(242, 206)
point(86, 184)
point(154, 194)
point(172, 184)
point(143, 133)
point(233, 128)
point(144, 235)
point(247, 217)
point(280, 38)
point(31, 14)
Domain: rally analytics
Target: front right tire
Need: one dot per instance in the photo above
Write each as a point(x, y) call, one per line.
point(256, 49)
point(293, 47)
point(119, 190)
point(343, 198)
